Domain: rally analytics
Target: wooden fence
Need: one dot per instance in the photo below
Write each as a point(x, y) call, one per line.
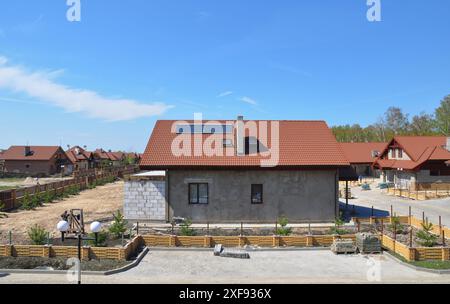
point(421, 194)
point(406, 220)
point(240, 241)
point(12, 198)
point(87, 252)
point(411, 253)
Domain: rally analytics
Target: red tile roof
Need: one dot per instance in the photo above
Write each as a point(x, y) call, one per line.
point(76, 154)
point(419, 148)
point(38, 153)
point(361, 153)
point(301, 143)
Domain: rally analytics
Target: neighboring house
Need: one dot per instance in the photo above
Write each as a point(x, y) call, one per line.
point(108, 158)
point(2, 162)
point(362, 155)
point(80, 159)
point(35, 160)
point(233, 185)
point(416, 162)
point(132, 158)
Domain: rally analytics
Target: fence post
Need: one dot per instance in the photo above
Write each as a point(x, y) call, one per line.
point(410, 216)
point(13, 198)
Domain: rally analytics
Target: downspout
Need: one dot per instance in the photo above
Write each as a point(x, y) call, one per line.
point(167, 196)
point(336, 194)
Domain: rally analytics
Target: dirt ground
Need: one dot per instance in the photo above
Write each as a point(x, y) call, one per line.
point(29, 181)
point(98, 204)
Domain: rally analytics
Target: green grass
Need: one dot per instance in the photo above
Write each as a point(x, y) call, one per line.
point(436, 265)
point(5, 188)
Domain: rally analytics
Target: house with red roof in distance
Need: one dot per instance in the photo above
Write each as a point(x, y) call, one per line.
point(108, 158)
point(237, 171)
point(362, 155)
point(35, 160)
point(416, 162)
point(2, 162)
point(80, 159)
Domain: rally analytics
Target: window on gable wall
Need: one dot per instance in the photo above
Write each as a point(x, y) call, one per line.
point(400, 153)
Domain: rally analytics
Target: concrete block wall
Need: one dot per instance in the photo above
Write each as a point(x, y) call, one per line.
point(145, 200)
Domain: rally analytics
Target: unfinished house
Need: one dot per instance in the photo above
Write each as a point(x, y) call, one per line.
point(233, 171)
point(35, 160)
point(416, 162)
point(361, 157)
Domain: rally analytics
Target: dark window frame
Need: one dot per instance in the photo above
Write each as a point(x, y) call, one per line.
point(198, 193)
point(254, 192)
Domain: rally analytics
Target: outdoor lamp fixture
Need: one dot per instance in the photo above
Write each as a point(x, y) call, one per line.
point(64, 227)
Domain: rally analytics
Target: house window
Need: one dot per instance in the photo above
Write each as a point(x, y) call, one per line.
point(393, 153)
point(27, 166)
point(198, 194)
point(257, 194)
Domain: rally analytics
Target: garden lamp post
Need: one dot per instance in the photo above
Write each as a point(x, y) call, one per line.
point(64, 227)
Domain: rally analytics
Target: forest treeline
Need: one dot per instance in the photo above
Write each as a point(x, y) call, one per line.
point(396, 122)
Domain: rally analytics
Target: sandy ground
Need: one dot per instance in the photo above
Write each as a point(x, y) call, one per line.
point(278, 267)
point(29, 181)
point(97, 204)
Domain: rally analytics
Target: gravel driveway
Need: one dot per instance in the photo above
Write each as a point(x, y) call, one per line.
point(180, 266)
point(382, 203)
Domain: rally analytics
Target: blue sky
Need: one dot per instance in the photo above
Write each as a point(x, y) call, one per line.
point(103, 82)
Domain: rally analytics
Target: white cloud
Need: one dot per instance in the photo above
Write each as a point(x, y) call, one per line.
point(224, 94)
point(249, 100)
point(41, 85)
point(3, 60)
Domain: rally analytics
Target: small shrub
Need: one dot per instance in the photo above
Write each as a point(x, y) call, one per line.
point(283, 230)
point(119, 225)
point(2, 214)
point(47, 197)
point(396, 226)
point(37, 235)
point(426, 237)
point(185, 228)
point(101, 239)
point(338, 223)
point(26, 202)
point(36, 200)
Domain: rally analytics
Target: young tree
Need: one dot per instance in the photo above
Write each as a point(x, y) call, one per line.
point(443, 117)
point(396, 120)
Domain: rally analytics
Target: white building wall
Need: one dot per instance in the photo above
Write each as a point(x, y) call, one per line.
point(145, 200)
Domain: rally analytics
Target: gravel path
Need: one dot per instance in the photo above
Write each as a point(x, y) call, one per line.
point(98, 203)
point(276, 267)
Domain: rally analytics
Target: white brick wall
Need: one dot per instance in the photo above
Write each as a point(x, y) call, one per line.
point(145, 200)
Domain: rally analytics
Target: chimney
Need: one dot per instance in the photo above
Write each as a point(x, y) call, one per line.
point(27, 150)
point(240, 138)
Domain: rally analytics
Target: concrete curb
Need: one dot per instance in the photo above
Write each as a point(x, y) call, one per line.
point(96, 273)
point(436, 271)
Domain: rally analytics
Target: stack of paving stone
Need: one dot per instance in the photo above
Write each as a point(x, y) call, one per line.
point(368, 243)
point(219, 250)
point(343, 246)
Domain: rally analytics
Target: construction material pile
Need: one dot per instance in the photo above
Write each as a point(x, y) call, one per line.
point(219, 250)
point(368, 243)
point(343, 246)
